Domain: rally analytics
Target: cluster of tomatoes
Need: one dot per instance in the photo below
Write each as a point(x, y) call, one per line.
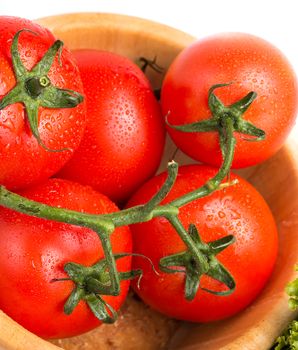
point(103, 150)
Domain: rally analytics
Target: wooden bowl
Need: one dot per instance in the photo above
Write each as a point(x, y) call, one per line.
point(277, 179)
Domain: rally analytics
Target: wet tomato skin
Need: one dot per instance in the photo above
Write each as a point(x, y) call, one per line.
point(23, 161)
point(247, 62)
point(125, 134)
point(34, 252)
point(238, 210)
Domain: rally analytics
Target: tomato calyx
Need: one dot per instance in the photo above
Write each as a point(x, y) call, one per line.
point(223, 117)
point(91, 283)
point(34, 88)
point(186, 262)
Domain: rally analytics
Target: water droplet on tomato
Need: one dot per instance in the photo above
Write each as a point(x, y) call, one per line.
point(221, 214)
point(48, 126)
point(209, 217)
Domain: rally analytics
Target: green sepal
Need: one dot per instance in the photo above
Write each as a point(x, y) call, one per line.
point(18, 67)
point(221, 244)
point(186, 263)
point(192, 283)
point(220, 112)
point(201, 126)
point(247, 128)
point(92, 282)
point(243, 104)
point(73, 300)
point(53, 97)
point(32, 115)
point(44, 65)
point(101, 310)
point(167, 263)
point(214, 103)
point(76, 272)
point(218, 272)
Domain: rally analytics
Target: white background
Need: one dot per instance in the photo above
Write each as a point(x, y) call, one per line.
point(274, 20)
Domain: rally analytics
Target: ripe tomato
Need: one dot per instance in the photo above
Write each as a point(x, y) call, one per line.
point(249, 64)
point(34, 252)
point(23, 160)
point(238, 210)
point(124, 138)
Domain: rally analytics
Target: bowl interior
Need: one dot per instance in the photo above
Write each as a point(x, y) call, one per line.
point(276, 179)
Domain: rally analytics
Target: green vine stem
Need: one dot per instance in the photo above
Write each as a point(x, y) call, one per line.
point(108, 222)
point(105, 224)
point(199, 258)
point(34, 89)
point(214, 183)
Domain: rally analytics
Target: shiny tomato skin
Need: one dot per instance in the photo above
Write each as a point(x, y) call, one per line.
point(34, 251)
point(23, 161)
point(125, 134)
point(250, 64)
point(239, 210)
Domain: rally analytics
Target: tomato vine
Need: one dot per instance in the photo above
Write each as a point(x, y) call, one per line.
point(103, 278)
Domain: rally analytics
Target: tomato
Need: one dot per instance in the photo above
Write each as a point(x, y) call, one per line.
point(249, 64)
point(24, 160)
point(34, 252)
point(124, 138)
point(238, 210)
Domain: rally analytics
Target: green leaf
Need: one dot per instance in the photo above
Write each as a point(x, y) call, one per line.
point(292, 291)
point(289, 339)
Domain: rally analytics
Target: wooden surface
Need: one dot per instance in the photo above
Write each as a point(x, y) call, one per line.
point(276, 179)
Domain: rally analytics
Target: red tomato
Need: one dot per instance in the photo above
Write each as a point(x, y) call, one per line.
point(34, 252)
point(238, 210)
point(124, 138)
point(23, 160)
point(251, 64)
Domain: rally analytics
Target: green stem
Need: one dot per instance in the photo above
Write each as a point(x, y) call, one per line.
point(106, 223)
point(213, 184)
point(24, 205)
point(193, 248)
point(111, 262)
